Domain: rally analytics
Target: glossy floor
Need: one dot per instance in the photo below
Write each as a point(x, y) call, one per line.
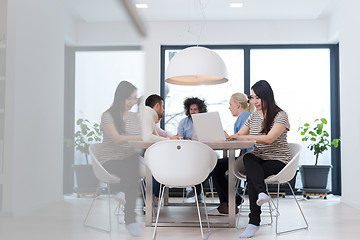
point(328, 219)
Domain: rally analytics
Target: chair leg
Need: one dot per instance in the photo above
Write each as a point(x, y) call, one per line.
point(142, 188)
point(92, 203)
point(278, 212)
point(243, 197)
point(119, 210)
point(198, 210)
point(297, 203)
point(158, 210)
point(270, 207)
point(211, 185)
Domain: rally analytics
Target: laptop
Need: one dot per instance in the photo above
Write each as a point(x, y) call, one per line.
point(208, 127)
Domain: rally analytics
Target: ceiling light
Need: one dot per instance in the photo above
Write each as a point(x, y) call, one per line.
point(196, 66)
point(141, 5)
point(236, 5)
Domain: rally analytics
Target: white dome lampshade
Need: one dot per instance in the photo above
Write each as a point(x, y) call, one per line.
point(196, 66)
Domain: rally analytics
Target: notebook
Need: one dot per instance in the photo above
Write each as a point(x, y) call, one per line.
point(208, 127)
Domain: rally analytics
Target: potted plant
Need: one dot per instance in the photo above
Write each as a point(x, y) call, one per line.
point(314, 177)
point(87, 134)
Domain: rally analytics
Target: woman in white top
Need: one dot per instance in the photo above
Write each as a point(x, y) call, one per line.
point(118, 157)
point(268, 126)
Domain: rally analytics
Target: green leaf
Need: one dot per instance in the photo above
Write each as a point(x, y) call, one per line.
point(312, 133)
point(335, 142)
point(323, 120)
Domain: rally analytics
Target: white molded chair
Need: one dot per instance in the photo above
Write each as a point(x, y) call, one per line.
point(181, 163)
point(103, 176)
point(284, 177)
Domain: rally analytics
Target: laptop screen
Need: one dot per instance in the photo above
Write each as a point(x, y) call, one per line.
point(208, 127)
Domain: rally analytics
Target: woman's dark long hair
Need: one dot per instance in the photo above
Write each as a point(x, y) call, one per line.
point(263, 90)
point(123, 91)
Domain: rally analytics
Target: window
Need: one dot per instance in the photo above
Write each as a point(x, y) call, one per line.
point(92, 75)
point(97, 74)
point(175, 94)
point(304, 79)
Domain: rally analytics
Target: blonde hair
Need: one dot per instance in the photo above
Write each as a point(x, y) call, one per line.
point(244, 102)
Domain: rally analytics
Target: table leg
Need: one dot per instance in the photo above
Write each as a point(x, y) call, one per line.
point(149, 199)
point(231, 178)
point(166, 197)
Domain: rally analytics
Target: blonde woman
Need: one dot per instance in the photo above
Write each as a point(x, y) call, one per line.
point(240, 107)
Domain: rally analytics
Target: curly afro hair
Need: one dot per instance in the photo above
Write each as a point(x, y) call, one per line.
point(194, 100)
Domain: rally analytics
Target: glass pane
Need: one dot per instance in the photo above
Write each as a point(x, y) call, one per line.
point(300, 79)
point(216, 96)
point(97, 74)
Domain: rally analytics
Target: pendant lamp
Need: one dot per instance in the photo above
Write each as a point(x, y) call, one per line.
point(196, 66)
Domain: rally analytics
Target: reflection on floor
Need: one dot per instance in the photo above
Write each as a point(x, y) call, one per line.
point(328, 219)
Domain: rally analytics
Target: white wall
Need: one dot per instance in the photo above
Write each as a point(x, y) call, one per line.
point(230, 32)
point(34, 104)
point(241, 32)
point(349, 92)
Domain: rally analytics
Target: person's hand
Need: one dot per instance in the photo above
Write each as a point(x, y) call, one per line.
point(226, 135)
point(235, 136)
point(175, 137)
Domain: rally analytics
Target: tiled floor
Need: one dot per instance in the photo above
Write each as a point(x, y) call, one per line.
point(328, 219)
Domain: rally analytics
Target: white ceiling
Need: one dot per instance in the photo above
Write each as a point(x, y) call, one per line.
point(193, 10)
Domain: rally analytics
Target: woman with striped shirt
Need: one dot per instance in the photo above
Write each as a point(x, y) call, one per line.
point(268, 126)
point(119, 125)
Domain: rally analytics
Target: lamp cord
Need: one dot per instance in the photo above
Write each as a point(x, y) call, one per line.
point(202, 7)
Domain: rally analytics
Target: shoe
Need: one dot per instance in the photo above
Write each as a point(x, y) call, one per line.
point(134, 229)
point(120, 197)
point(191, 194)
point(215, 212)
point(239, 200)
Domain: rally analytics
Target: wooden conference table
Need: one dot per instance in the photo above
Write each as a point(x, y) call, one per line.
point(228, 147)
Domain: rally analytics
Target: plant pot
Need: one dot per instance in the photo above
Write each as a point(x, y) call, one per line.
point(86, 180)
point(315, 177)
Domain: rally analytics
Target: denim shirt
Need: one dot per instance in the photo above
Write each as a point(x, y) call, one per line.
point(185, 128)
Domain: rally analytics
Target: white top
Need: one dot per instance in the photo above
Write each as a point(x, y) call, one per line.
point(149, 116)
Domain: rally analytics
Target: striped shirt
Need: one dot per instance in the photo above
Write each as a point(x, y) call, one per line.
point(114, 151)
point(277, 150)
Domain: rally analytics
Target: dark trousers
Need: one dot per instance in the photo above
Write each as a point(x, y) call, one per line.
point(156, 188)
point(256, 171)
point(128, 171)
